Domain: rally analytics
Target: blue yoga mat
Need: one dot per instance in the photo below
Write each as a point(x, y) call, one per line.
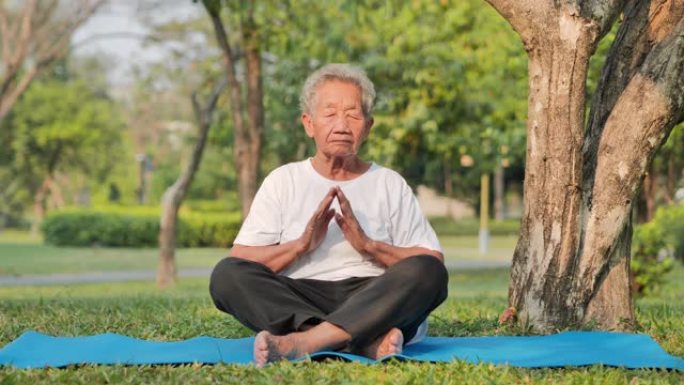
point(36, 350)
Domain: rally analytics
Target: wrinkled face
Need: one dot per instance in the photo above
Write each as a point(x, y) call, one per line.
point(337, 123)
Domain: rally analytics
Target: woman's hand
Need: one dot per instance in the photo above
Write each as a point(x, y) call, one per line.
point(351, 228)
point(317, 227)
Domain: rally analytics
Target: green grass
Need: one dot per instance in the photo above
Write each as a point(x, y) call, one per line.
point(139, 309)
point(22, 255)
point(19, 237)
point(23, 259)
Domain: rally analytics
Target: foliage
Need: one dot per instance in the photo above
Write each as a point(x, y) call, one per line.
point(654, 245)
point(442, 92)
point(63, 127)
point(648, 266)
point(33, 37)
point(139, 309)
point(137, 228)
point(457, 90)
point(670, 219)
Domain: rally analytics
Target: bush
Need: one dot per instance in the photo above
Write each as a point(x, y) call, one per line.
point(650, 258)
point(670, 219)
point(471, 226)
point(121, 227)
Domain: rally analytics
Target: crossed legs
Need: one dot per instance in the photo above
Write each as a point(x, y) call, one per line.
point(371, 316)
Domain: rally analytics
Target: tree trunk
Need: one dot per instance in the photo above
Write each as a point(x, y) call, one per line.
point(550, 223)
point(448, 180)
point(173, 196)
point(248, 136)
point(39, 206)
point(255, 108)
point(571, 263)
point(171, 200)
point(671, 182)
point(648, 192)
point(57, 198)
point(499, 192)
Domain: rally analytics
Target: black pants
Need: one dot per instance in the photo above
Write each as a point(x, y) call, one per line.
point(365, 307)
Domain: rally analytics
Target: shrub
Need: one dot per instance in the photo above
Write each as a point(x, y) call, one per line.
point(121, 227)
point(650, 258)
point(670, 219)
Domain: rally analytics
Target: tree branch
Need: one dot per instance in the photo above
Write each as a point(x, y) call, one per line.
point(25, 33)
point(4, 33)
point(636, 37)
point(524, 16)
point(651, 104)
point(665, 66)
point(8, 100)
point(35, 35)
point(603, 12)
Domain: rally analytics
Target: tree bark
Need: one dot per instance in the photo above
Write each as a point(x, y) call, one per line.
point(671, 180)
point(173, 196)
point(39, 206)
point(255, 109)
point(558, 62)
point(499, 192)
point(649, 191)
point(571, 263)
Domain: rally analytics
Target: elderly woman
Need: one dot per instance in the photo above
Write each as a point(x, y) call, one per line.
point(335, 253)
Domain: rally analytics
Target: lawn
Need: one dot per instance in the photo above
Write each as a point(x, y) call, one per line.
point(22, 255)
point(139, 309)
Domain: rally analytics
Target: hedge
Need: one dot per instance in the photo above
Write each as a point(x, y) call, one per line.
point(137, 228)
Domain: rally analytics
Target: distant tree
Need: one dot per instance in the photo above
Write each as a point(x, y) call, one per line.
point(174, 195)
point(61, 127)
point(248, 112)
point(571, 263)
point(32, 37)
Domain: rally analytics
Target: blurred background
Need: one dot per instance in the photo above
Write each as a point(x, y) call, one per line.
point(103, 103)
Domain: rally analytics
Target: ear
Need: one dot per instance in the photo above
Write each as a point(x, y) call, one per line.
point(307, 122)
point(366, 130)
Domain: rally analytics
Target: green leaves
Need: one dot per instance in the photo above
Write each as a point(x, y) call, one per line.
point(64, 126)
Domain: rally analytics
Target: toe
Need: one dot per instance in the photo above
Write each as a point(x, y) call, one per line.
point(260, 354)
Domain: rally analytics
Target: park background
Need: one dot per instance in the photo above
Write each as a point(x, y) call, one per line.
point(107, 125)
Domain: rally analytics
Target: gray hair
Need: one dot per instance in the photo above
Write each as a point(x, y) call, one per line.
point(341, 72)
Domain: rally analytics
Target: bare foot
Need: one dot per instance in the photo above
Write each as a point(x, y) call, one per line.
point(271, 348)
point(391, 343)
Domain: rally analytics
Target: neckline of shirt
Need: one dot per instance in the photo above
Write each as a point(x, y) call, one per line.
point(312, 170)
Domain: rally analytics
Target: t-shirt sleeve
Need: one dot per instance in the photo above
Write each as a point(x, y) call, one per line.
point(410, 228)
point(262, 226)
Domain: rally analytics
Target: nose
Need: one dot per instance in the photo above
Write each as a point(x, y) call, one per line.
point(340, 125)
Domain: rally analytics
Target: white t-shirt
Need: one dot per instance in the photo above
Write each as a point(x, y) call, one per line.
point(382, 201)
